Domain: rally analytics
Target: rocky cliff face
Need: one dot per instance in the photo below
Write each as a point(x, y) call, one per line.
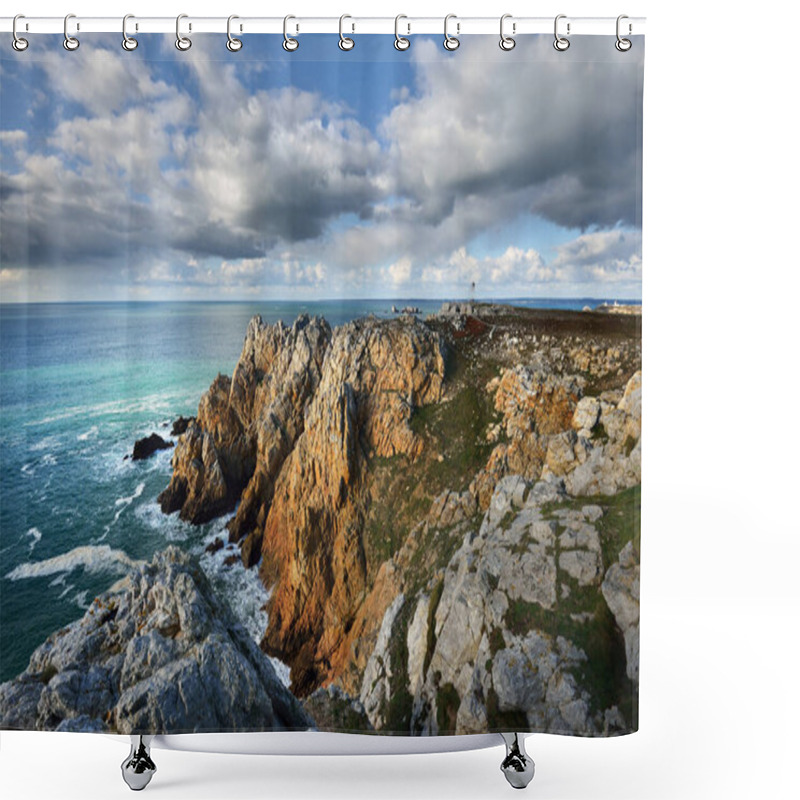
point(246, 426)
point(374, 376)
point(413, 495)
point(157, 654)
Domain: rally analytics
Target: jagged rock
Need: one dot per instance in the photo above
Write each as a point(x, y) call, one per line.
point(583, 565)
point(417, 642)
point(247, 425)
point(160, 654)
point(535, 406)
point(376, 688)
point(621, 591)
point(144, 448)
point(473, 588)
point(587, 412)
point(374, 375)
point(180, 425)
point(606, 458)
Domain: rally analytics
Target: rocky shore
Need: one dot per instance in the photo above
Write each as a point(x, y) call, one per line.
point(158, 653)
point(445, 513)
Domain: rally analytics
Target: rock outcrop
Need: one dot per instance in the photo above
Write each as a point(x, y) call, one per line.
point(601, 453)
point(144, 448)
point(247, 425)
point(159, 653)
point(373, 377)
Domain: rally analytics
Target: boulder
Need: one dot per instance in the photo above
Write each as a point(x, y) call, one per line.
point(158, 654)
point(144, 448)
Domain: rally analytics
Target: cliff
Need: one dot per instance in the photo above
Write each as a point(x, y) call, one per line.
point(159, 653)
point(440, 511)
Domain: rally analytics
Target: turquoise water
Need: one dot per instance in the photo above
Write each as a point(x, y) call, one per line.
point(79, 383)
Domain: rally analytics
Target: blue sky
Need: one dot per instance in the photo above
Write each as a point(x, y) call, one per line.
point(316, 174)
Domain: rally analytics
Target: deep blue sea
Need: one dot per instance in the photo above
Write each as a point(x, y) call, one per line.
point(79, 383)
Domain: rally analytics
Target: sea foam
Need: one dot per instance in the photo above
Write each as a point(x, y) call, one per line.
point(243, 592)
point(35, 536)
point(92, 558)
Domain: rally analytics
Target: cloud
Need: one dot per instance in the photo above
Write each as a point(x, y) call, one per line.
point(187, 176)
point(560, 127)
point(601, 256)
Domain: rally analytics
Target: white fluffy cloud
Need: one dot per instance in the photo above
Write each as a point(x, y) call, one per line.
point(152, 183)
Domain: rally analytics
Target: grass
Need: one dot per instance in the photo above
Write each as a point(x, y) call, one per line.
point(455, 449)
point(503, 720)
point(619, 524)
point(447, 703)
point(497, 642)
point(398, 710)
point(522, 617)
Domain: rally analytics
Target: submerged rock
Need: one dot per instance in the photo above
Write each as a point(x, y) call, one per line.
point(159, 654)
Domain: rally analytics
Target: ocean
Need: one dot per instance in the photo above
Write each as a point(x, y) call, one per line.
point(79, 384)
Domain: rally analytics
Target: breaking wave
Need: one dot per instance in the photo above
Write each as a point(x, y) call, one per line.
point(93, 558)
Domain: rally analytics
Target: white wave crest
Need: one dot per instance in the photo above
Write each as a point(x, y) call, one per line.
point(91, 557)
point(93, 431)
point(160, 404)
point(137, 492)
point(171, 526)
point(243, 591)
point(35, 536)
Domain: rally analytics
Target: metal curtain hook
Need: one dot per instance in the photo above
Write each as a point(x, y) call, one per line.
point(181, 42)
point(506, 42)
point(345, 43)
point(289, 44)
point(18, 43)
point(623, 45)
point(128, 42)
point(561, 43)
point(450, 42)
point(400, 42)
point(70, 42)
point(233, 44)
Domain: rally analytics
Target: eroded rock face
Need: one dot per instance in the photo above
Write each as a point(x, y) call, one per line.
point(601, 452)
point(535, 406)
point(160, 654)
point(247, 425)
point(373, 376)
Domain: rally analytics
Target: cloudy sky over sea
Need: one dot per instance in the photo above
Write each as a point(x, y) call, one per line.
point(318, 174)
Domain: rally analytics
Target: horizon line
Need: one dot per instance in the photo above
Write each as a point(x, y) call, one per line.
point(503, 300)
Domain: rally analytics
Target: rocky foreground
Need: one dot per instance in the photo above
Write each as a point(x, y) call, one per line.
point(446, 515)
point(157, 654)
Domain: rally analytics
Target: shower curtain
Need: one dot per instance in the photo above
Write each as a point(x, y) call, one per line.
point(321, 385)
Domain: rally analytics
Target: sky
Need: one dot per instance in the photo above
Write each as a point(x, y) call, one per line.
point(208, 175)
